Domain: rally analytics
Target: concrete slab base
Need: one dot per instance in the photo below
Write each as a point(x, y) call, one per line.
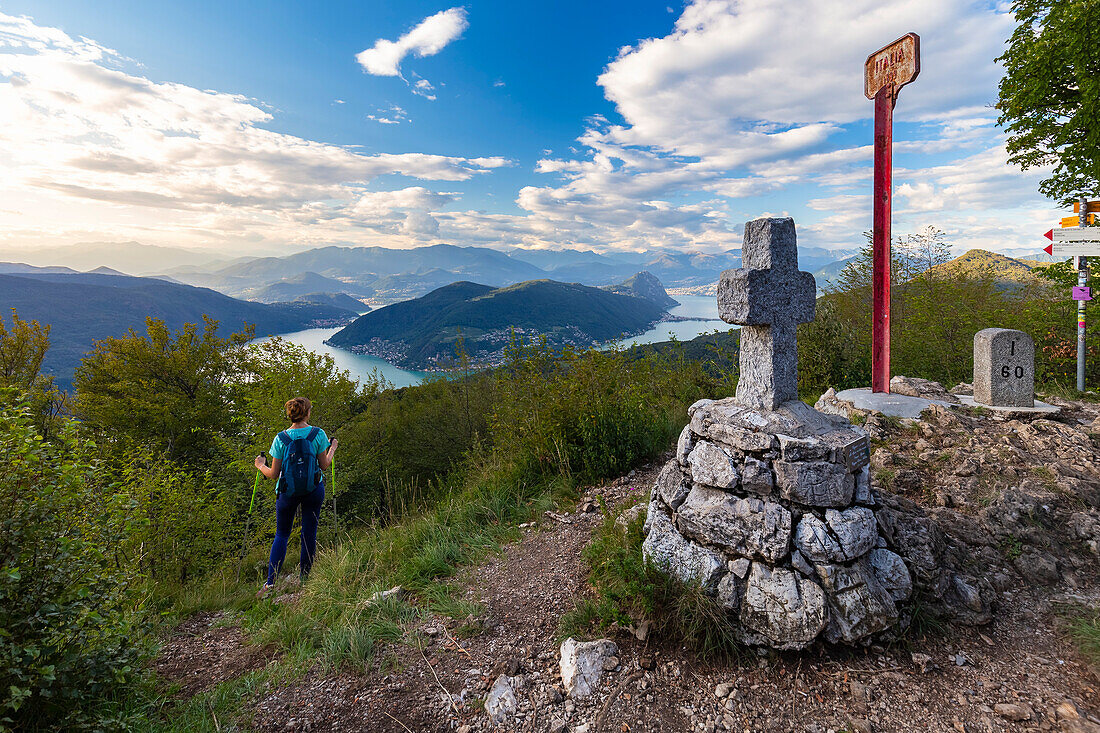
point(1040, 408)
point(897, 405)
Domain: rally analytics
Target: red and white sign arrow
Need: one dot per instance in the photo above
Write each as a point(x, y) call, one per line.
point(1074, 242)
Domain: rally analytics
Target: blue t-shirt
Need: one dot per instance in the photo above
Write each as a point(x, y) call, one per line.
point(320, 442)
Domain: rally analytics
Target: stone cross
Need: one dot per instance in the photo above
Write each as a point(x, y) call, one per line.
point(768, 297)
point(1004, 368)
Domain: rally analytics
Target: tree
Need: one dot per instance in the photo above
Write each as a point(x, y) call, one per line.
point(169, 390)
point(22, 349)
point(1050, 94)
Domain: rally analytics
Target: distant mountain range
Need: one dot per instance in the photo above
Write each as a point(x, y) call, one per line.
point(132, 258)
point(644, 285)
point(385, 275)
point(83, 307)
point(425, 332)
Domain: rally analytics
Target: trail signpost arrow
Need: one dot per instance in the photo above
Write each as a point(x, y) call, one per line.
point(884, 74)
point(1073, 242)
point(1080, 243)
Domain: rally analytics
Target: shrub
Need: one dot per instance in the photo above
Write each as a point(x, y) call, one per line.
point(68, 641)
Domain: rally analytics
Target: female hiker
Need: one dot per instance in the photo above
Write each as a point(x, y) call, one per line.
point(299, 456)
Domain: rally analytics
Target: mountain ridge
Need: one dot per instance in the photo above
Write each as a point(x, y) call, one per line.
point(426, 332)
point(83, 307)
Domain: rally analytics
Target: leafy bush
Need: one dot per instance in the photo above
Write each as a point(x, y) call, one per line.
point(186, 521)
point(68, 640)
point(592, 414)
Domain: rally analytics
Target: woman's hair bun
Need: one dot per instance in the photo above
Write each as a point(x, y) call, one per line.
point(297, 409)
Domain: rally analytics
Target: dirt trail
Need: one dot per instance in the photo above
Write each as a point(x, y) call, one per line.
point(1011, 675)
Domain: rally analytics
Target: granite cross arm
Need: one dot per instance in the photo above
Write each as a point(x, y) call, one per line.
point(768, 297)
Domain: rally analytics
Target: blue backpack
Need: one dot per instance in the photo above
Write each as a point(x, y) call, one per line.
point(300, 474)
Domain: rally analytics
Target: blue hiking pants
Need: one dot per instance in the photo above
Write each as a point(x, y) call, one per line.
point(285, 508)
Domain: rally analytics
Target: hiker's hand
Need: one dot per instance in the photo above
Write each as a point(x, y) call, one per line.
point(260, 462)
point(332, 446)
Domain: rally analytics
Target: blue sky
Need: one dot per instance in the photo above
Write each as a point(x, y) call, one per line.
point(267, 127)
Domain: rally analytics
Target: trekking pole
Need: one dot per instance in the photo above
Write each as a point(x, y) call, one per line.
point(335, 518)
point(248, 525)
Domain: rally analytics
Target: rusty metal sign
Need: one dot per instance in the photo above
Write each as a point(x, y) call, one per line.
point(856, 454)
point(894, 65)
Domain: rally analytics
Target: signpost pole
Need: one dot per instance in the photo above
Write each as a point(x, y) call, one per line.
point(885, 72)
point(1082, 280)
point(884, 170)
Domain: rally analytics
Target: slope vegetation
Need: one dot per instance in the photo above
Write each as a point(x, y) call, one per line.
point(980, 262)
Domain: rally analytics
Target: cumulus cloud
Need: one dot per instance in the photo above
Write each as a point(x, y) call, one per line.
point(427, 38)
point(740, 102)
point(75, 126)
point(735, 112)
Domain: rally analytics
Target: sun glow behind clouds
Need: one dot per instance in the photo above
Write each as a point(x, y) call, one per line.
point(735, 112)
point(74, 125)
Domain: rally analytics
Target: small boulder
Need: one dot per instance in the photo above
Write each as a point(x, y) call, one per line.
point(500, 703)
point(711, 466)
point(1012, 711)
point(582, 664)
point(625, 519)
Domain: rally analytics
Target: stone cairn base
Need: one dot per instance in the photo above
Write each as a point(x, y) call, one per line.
point(772, 511)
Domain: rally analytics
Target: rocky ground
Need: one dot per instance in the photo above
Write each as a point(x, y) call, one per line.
point(1014, 502)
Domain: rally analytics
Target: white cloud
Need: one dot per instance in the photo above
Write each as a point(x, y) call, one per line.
point(420, 224)
point(427, 38)
point(424, 88)
point(392, 115)
point(744, 107)
point(758, 98)
point(94, 149)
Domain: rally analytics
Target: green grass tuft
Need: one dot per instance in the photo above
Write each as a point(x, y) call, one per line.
point(1084, 630)
point(629, 590)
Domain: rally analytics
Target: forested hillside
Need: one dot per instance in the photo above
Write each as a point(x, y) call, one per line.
point(83, 307)
point(427, 331)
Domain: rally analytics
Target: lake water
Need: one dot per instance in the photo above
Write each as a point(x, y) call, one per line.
point(691, 306)
point(360, 367)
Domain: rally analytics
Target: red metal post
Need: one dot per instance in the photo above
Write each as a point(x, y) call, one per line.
point(884, 169)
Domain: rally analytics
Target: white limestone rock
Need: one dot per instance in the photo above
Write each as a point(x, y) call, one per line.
point(672, 485)
point(855, 529)
point(802, 449)
point(841, 537)
point(858, 604)
point(785, 610)
point(712, 466)
point(801, 564)
point(730, 591)
point(814, 483)
point(890, 571)
point(739, 567)
point(500, 703)
point(756, 476)
point(652, 511)
point(863, 493)
point(684, 445)
point(582, 664)
point(630, 515)
point(668, 549)
point(749, 527)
